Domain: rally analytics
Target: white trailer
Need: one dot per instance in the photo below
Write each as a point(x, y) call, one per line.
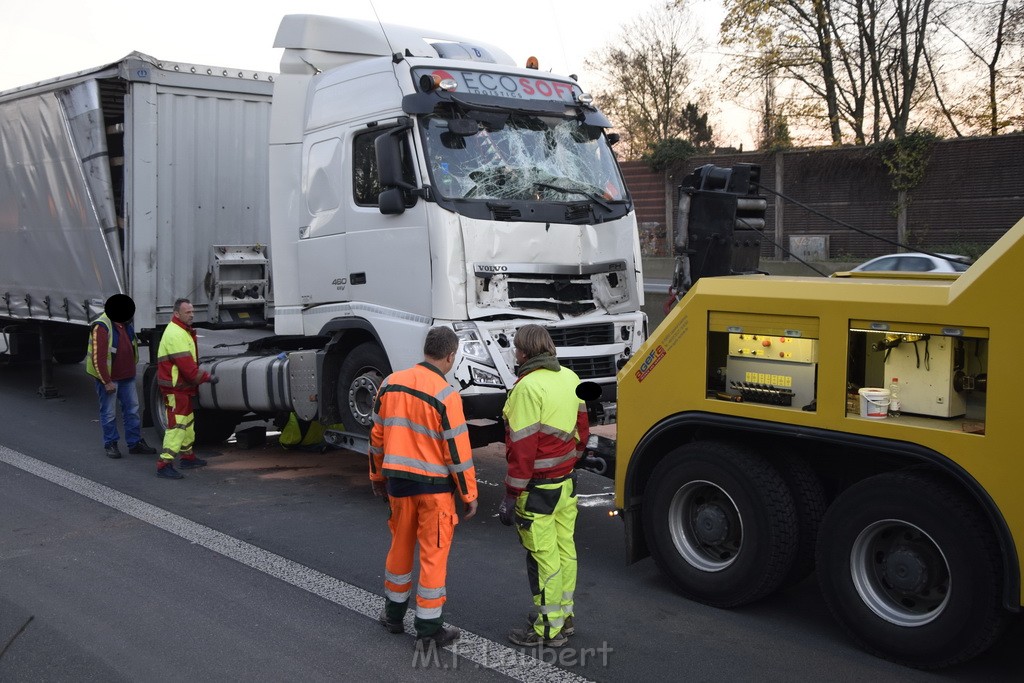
point(139, 177)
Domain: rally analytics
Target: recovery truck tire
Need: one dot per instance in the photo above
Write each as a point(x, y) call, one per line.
point(361, 373)
point(811, 502)
point(721, 522)
point(911, 569)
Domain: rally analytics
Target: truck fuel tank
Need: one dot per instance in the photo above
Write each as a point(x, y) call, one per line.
point(248, 383)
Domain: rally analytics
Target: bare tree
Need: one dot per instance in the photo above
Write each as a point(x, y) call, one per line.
point(860, 59)
point(981, 92)
point(649, 71)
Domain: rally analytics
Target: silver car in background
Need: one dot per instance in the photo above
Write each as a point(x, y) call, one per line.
point(917, 262)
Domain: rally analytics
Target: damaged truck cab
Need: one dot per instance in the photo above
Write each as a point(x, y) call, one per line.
point(417, 182)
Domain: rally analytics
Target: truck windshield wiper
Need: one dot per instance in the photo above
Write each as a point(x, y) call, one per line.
point(592, 196)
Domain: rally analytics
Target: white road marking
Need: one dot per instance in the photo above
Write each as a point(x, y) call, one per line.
point(595, 500)
point(477, 649)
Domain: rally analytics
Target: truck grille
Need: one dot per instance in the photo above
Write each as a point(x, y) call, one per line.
point(591, 368)
point(583, 335)
point(562, 293)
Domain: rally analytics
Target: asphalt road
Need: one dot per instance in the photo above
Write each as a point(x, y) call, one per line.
point(267, 566)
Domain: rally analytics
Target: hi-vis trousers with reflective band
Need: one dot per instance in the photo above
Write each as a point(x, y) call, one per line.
point(180, 434)
point(428, 519)
point(546, 520)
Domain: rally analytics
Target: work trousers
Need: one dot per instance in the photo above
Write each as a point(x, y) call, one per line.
point(180, 434)
point(129, 400)
point(426, 520)
point(546, 520)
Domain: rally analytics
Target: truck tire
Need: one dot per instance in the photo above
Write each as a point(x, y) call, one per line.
point(69, 356)
point(70, 348)
point(211, 426)
point(720, 521)
point(359, 377)
point(912, 571)
point(811, 502)
point(215, 426)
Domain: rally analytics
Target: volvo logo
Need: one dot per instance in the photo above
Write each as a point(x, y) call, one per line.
point(491, 268)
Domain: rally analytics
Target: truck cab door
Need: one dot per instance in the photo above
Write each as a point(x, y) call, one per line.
point(364, 255)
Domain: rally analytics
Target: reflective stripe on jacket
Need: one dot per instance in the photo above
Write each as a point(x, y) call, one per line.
point(419, 431)
point(177, 368)
point(93, 363)
point(546, 427)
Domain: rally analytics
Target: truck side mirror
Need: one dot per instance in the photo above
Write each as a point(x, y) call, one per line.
point(388, 148)
point(391, 201)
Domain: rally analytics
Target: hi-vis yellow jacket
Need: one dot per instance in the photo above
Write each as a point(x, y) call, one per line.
point(546, 427)
point(419, 432)
point(177, 368)
point(91, 356)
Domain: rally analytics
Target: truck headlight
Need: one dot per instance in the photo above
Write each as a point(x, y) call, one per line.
point(484, 378)
point(473, 347)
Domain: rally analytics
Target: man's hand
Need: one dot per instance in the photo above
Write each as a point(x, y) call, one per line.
point(469, 509)
point(507, 509)
point(214, 379)
point(110, 387)
point(380, 488)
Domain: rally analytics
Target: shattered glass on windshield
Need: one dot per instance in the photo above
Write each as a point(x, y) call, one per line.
point(521, 157)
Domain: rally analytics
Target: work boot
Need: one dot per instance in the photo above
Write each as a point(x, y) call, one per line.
point(111, 450)
point(446, 635)
point(191, 463)
point(168, 472)
point(568, 627)
point(530, 638)
point(140, 447)
point(392, 626)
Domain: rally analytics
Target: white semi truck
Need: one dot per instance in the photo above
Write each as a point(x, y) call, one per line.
point(388, 180)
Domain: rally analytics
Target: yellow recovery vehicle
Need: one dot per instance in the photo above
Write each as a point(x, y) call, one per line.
point(775, 426)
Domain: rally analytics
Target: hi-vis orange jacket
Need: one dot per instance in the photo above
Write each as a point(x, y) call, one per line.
point(419, 432)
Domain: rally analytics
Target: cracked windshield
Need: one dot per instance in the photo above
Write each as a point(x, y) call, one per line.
point(521, 157)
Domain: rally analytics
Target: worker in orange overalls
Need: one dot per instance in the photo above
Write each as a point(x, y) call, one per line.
point(546, 432)
point(420, 458)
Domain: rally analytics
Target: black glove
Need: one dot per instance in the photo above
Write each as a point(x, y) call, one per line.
point(507, 509)
point(214, 379)
point(380, 489)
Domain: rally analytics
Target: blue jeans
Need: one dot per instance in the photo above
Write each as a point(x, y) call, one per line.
point(129, 400)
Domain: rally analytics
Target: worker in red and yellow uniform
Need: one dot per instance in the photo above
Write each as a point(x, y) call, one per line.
point(420, 458)
point(178, 377)
point(546, 432)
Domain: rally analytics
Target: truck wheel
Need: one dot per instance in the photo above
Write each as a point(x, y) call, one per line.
point(811, 502)
point(211, 426)
point(215, 426)
point(359, 377)
point(69, 356)
point(155, 403)
point(721, 522)
point(911, 569)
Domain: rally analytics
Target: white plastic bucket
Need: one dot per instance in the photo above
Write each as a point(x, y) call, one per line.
point(874, 403)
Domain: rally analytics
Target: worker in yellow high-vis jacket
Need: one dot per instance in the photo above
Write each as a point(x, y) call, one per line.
point(546, 432)
point(178, 377)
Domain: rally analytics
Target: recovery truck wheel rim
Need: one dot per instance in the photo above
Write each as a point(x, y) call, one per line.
point(911, 567)
point(706, 526)
point(900, 572)
point(720, 521)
